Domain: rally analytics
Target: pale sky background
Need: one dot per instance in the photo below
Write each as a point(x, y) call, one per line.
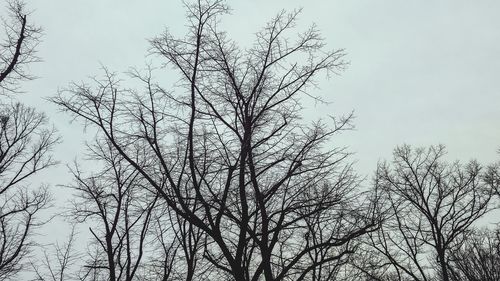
point(422, 72)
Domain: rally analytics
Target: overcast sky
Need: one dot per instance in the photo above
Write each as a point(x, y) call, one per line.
point(421, 72)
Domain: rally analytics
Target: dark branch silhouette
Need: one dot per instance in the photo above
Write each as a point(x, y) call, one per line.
point(120, 214)
point(269, 196)
point(17, 46)
point(477, 258)
point(25, 146)
point(429, 205)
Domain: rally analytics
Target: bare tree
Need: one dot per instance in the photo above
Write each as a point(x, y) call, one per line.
point(430, 205)
point(17, 46)
point(492, 176)
point(59, 262)
point(134, 237)
point(119, 212)
point(478, 258)
point(179, 250)
point(25, 145)
point(228, 153)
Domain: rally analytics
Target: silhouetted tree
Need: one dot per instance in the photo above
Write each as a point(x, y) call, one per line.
point(25, 146)
point(59, 262)
point(269, 196)
point(492, 176)
point(119, 213)
point(17, 46)
point(430, 205)
point(477, 258)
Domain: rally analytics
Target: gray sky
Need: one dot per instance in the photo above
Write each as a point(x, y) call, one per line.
point(422, 72)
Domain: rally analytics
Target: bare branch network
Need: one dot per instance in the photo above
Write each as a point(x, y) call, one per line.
point(221, 178)
point(18, 43)
point(251, 191)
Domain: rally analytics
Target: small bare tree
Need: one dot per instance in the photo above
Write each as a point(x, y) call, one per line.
point(430, 205)
point(119, 211)
point(228, 152)
point(25, 146)
point(492, 176)
point(477, 258)
point(59, 262)
point(17, 46)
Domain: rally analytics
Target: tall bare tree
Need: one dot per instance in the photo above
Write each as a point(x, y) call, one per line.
point(119, 212)
point(228, 153)
point(25, 145)
point(430, 205)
